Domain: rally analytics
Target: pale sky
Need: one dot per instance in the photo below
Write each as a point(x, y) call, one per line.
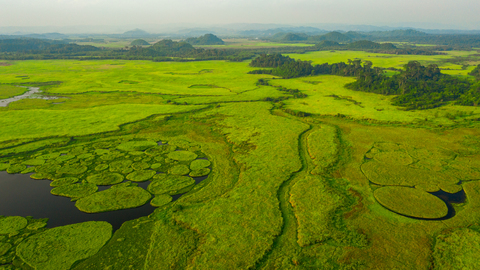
point(460, 13)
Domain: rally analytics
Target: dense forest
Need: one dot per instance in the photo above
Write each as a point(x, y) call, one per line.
point(415, 87)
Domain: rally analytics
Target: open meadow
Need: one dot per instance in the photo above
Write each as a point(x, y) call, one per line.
point(239, 174)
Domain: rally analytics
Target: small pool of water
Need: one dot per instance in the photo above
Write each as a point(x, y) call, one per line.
point(22, 196)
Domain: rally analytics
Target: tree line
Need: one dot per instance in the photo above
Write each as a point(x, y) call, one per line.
point(415, 87)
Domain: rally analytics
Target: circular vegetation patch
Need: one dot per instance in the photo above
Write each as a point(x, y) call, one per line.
point(34, 162)
point(141, 176)
point(179, 170)
point(161, 200)
point(199, 164)
point(4, 166)
point(75, 190)
point(12, 224)
point(411, 202)
point(64, 181)
point(138, 166)
point(76, 168)
point(114, 198)
point(136, 145)
point(16, 168)
point(101, 167)
point(120, 165)
point(182, 155)
point(200, 173)
point(105, 178)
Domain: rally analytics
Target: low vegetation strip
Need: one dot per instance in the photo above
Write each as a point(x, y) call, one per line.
point(46, 123)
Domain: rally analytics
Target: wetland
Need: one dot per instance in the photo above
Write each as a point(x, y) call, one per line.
point(209, 165)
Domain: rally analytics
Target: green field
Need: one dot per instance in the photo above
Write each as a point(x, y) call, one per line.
point(8, 91)
point(338, 179)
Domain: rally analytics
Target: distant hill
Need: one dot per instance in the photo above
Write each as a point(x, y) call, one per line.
point(207, 39)
point(139, 42)
point(136, 33)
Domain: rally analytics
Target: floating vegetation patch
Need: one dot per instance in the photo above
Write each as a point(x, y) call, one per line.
point(16, 168)
point(64, 181)
point(161, 200)
point(138, 166)
point(101, 167)
point(411, 202)
point(120, 165)
point(34, 162)
point(458, 249)
point(4, 166)
point(18, 231)
point(77, 170)
point(179, 170)
point(200, 173)
point(141, 176)
point(13, 224)
point(199, 164)
point(114, 198)
point(182, 155)
point(136, 145)
point(61, 247)
point(171, 185)
point(75, 190)
point(105, 179)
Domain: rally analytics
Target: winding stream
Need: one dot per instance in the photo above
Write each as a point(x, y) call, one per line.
point(29, 94)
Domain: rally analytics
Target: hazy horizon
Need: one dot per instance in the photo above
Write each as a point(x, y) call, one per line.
point(60, 14)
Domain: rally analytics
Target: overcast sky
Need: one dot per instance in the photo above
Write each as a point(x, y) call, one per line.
point(460, 13)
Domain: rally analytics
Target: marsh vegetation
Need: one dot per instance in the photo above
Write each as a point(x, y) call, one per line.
point(306, 164)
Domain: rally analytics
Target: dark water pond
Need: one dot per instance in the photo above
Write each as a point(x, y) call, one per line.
point(22, 196)
point(449, 198)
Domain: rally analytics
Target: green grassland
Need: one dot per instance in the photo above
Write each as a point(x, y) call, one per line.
point(8, 91)
point(390, 60)
point(328, 97)
point(207, 78)
point(283, 190)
